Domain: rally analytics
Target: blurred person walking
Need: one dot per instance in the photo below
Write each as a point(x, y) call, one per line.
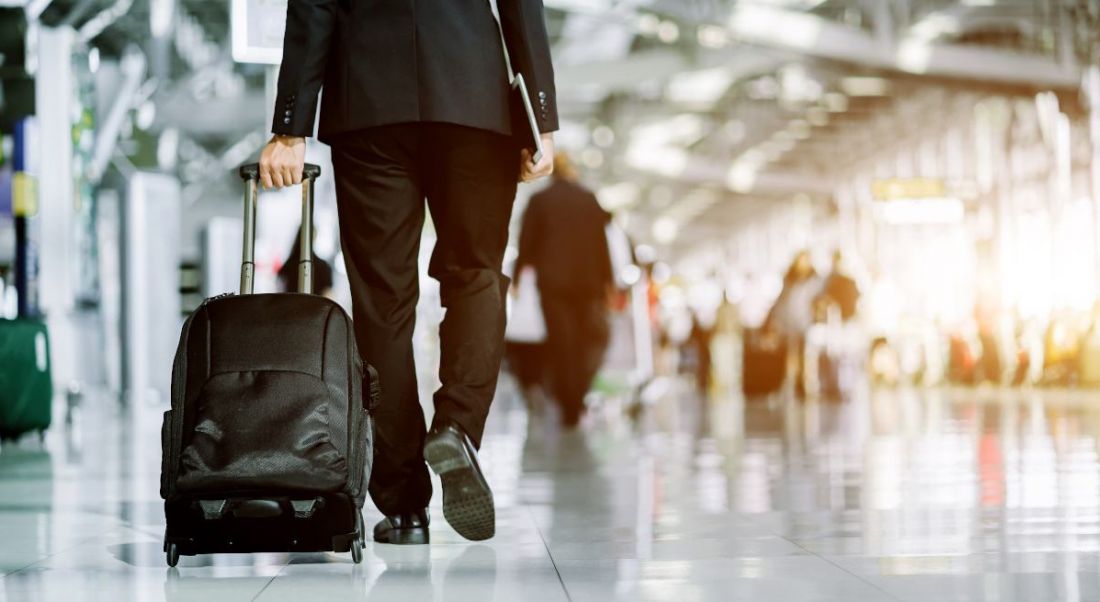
point(416, 106)
point(841, 352)
point(563, 237)
point(792, 315)
point(840, 290)
point(322, 270)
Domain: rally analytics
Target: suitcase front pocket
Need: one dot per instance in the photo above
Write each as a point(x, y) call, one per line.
point(269, 430)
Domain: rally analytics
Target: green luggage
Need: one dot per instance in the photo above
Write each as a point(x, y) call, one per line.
point(26, 387)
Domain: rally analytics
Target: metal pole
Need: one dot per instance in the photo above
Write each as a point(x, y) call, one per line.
point(1091, 89)
point(305, 265)
point(248, 260)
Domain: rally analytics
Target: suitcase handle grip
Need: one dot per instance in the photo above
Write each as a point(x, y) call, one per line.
point(250, 173)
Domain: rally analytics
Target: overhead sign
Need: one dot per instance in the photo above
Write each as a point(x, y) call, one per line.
point(893, 189)
point(258, 27)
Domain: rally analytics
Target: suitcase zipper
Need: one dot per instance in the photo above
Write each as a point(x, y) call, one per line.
point(217, 297)
point(359, 442)
point(179, 385)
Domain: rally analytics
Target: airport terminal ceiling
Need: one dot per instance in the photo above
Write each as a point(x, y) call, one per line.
point(713, 111)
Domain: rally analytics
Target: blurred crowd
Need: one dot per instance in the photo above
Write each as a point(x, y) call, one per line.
point(595, 316)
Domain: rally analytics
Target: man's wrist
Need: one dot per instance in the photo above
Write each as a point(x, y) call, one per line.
point(288, 139)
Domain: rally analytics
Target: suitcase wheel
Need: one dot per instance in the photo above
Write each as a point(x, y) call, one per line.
point(360, 538)
point(172, 554)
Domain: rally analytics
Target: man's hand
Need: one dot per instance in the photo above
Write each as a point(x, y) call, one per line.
point(530, 171)
point(282, 161)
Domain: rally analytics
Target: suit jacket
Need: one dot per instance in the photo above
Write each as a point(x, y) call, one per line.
point(564, 237)
point(397, 61)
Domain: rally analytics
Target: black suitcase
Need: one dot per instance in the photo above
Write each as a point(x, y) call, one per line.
point(267, 447)
point(764, 363)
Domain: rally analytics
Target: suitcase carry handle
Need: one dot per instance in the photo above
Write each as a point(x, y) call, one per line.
point(250, 173)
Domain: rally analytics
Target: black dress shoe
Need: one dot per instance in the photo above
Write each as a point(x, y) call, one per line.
point(467, 500)
point(403, 529)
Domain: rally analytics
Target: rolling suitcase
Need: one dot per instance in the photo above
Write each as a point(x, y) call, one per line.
point(267, 446)
point(26, 387)
point(764, 365)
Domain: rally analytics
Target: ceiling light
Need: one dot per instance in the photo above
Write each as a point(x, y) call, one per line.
point(865, 86)
point(797, 85)
point(703, 88)
point(934, 26)
point(665, 230)
point(668, 32)
point(921, 211)
point(742, 176)
point(914, 56)
point(664, 160)
point(753, 156)
point(160, 17)
point(836, 102)
point(712, 36)
point(645, 254)
point(648, 23)
point(603, 136)
point(619, 196)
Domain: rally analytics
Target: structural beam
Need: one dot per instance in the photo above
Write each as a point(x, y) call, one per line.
point(661, 65)
point(816, 36)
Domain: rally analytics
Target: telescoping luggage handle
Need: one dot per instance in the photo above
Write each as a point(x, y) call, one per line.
point(250, 173)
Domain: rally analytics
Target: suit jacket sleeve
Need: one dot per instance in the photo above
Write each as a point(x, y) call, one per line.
point(528, 44)
point(309, 31)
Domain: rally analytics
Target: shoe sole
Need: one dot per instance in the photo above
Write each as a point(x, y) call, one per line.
point(467, 499)
point(404, 537)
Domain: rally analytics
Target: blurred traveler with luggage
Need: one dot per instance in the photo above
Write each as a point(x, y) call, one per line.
point(792, 315)
point(418, 105)
point(525, 337)
point(840, 351)
point(696, 355)
point(840, 290)
point(564, 239)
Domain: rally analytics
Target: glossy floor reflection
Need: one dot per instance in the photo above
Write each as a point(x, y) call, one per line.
point(898, 495)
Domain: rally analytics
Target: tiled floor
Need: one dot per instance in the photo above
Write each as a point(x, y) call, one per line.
point(899, 495)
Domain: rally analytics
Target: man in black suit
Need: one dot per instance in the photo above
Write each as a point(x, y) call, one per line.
point(564, 239)
point(415, 106)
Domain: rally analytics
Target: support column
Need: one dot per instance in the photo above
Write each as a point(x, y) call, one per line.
point(1091, 95)
point(54, 98)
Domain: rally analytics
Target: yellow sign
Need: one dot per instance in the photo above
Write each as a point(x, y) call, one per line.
point(24, 194)
point(908, 188)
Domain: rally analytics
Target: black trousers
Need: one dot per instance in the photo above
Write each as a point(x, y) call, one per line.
point(577, 335)
point(383, 176)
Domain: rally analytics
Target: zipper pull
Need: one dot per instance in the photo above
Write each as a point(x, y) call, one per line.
point(217, 297)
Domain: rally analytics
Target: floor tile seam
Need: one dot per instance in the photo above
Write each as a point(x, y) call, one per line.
point(76, 545)
point(270, 581)
point(844, 569)
point(549, 554)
